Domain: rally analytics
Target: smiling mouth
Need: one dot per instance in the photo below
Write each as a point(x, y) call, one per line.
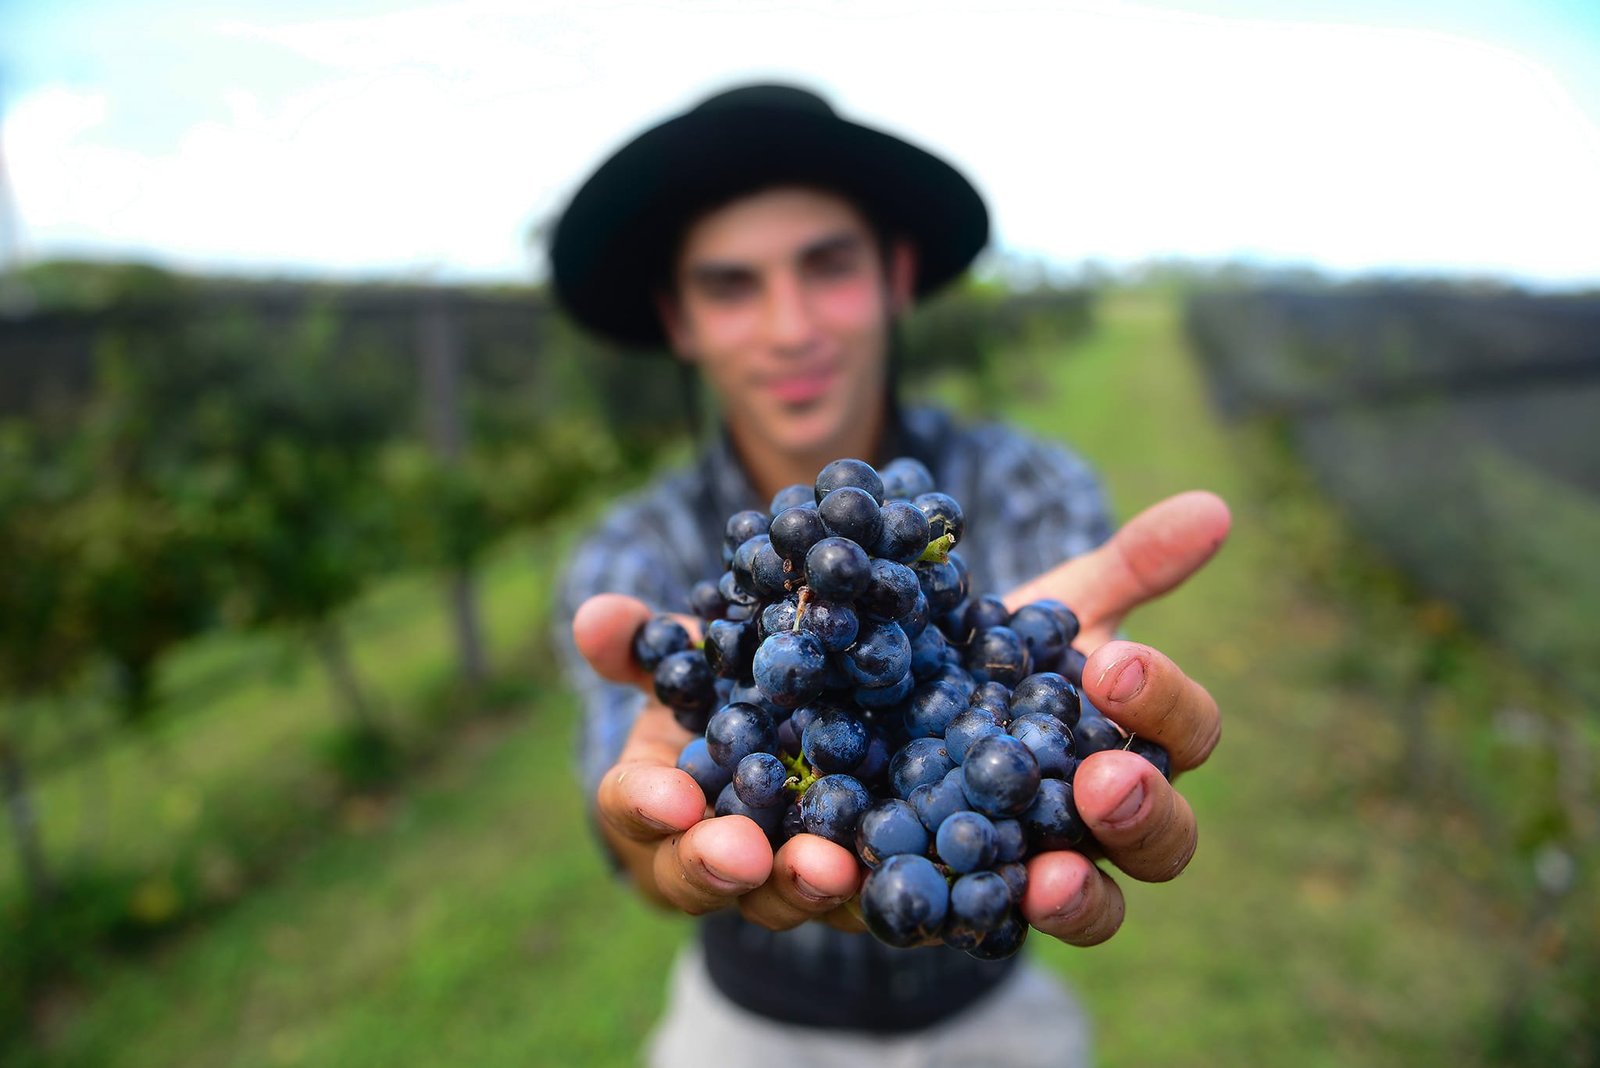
point(802, 388)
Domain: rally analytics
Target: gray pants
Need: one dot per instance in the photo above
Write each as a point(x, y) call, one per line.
point(1029, 1020)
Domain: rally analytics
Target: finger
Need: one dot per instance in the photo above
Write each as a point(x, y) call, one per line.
point(712, 864)
point(643, 801)
point(811, 877)
point(1149, 695)
point(603, 629)
point(1153, 552)
point(1071, 899)
point(1144, 826)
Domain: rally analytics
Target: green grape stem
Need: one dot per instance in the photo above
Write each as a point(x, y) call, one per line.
point(938, 550)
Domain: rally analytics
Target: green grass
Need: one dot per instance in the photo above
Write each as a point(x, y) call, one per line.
point(1350, 903)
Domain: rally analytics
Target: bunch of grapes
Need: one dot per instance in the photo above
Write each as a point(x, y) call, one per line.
point(850, 686)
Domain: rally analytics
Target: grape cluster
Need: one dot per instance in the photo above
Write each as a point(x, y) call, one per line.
point(850, 686)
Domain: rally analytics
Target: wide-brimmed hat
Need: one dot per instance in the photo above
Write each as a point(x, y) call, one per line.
point(611, 249)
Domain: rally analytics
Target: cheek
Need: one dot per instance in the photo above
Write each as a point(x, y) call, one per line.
point(853, 312)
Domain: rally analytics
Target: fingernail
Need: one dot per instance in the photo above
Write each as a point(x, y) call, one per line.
point(810, 892)
point(1072, 904)
point(1128, 806)
point(1129, 681)
point(721, 882)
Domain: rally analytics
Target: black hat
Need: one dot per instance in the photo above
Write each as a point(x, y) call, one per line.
point(612, 247)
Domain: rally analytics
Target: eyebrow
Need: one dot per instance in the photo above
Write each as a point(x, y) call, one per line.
point(713, 272)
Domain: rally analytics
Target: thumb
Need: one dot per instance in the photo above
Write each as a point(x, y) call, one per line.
point(1152, 553)
point(603, 630)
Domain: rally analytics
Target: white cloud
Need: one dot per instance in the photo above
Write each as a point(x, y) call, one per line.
point(437, 134)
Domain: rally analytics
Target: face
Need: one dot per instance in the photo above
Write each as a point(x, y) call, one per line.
point(784, 303)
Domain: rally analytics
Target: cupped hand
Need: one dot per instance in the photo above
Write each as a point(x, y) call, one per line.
point(657, 822)
point(1143, 825)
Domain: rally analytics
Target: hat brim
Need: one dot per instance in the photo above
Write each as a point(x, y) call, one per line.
point(611, 248)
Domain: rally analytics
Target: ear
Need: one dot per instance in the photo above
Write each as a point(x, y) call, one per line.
point(677, 330)
point(902, 275)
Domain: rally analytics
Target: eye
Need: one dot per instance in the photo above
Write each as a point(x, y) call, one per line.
point(840, 262)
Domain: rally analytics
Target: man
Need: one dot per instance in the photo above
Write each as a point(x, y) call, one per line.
point(772, 246)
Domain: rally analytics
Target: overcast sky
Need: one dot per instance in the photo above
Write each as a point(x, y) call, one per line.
point(385, 139)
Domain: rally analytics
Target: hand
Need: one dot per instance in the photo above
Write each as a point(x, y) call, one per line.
point(656, 819)
point(1145, 827)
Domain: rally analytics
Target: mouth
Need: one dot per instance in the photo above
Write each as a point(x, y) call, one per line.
point(802, 387)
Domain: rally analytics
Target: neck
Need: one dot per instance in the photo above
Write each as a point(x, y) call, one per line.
point(770, 470)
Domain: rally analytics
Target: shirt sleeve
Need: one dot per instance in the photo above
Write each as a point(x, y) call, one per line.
point(626, 555)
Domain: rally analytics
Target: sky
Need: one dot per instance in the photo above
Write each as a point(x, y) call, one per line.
point(415, 141)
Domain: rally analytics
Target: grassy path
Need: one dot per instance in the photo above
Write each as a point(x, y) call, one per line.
point(471, 922)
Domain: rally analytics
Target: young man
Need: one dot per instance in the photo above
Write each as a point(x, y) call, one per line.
point(772, 245)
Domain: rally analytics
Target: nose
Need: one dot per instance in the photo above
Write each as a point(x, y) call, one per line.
point(790, 325)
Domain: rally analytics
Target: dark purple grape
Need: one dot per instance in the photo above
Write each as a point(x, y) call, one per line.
point(945, 586)
point(851, 513)
point(889, 828)
point(985, 612)
point(837, 569)
point(834, 740)
point(1094, 734)
point(995, 698)
point(759, 779)
point(1041, 632)
point(904, 900)
point(1049, 693)
point(1000, 775)
point(730, 647)
point(997, 654)
point(835, 625)
point(935, 802)
point(742, 526)
point(706, 601)
point(658, 638)
point(905, 478)
point(933, 706)
point(875, 765)
point(795, 496)
point(1052, 821)
point(903, 535)
point(915, 621)
point(1154, 753)
point(790, 668)
point(920, 760)
point(1004, 941)
point(728, 586)
point(965, 841)
point(832, 807)
point(928, 653)
point(967, 727)
point(891, 593)
point(736, 731)
point(884, 697)
point(1064, 615)
point(1015, 873)
point(842, 473)
point(794, 531)
point(880, 655)
point(1011, 841)
point(711, 776)
point(770, 575)
point(979, 903)
point(944, 515)
point(779, 616)
point(748, 692)
point(1049, 741)
point(1072, 662)
point(770, 820)
point(684, 681)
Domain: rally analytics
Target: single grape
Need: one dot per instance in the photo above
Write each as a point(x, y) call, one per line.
point(997, 654)
point(932, 708)
point(684, 681)
point(903, 535)
point(944, 514)
point(935, 802)
point(1049, 741)
point(849, 512)
point(795, 496)
point(730, 647)
point(1052, 821)
point(880, 656)
point(1001, 776)
point(979, 902)
point(770, 820)
point(1049, 693)
point(837, 569)
point(1004, 941)
point(1041, 633)
point(1094, 733)
point(985, 612)
point(920, 760)
point(790, 667)
point(759, 779)
point(905, 478)
point(658, 638)
point(707, 773)
point(834, 740)
point(1154, 753)
point(842, 473)
point(891, 593)
point(884, 697)
point(794, 531)
point(889, 828)
point(736, 731)
point(966, 841)
point(967, 727)
point(832, 807)
point(835, 625)
point(742, 526)
point(904, 900)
